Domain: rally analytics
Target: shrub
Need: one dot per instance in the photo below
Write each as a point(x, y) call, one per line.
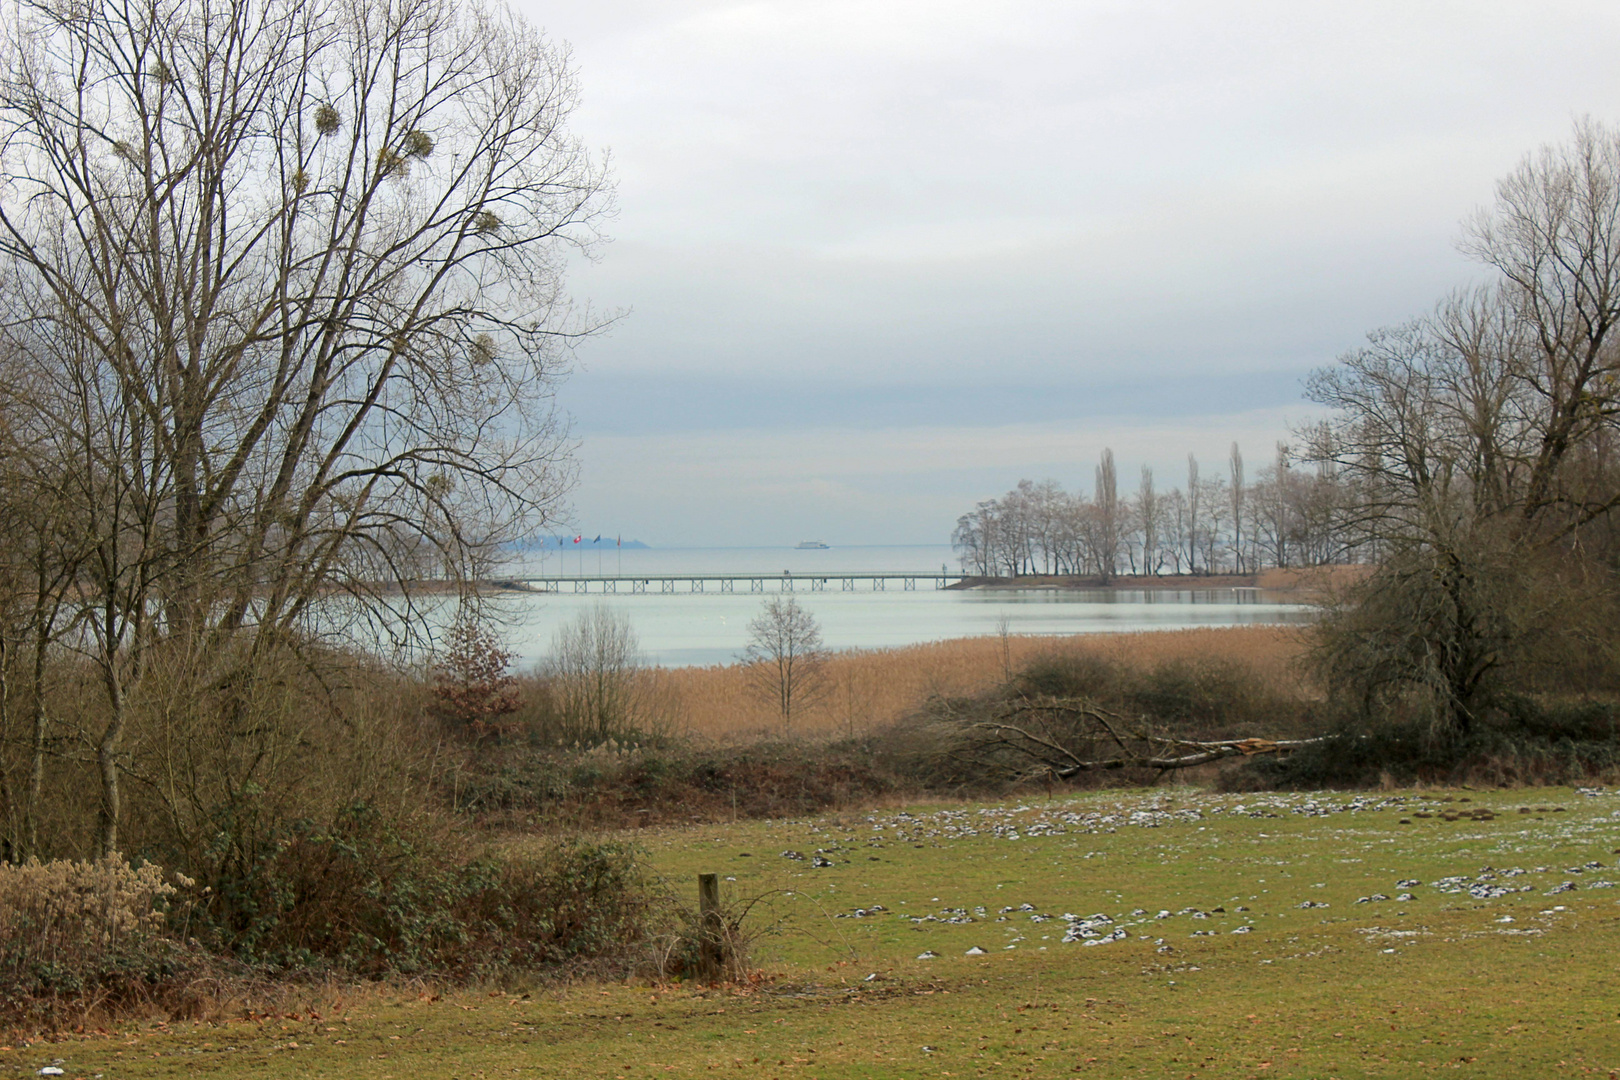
point(613, 784)
point(573, 901)
point(473, 688)
point(358, 893)
point(1187, 695)
point(374, 896)
point(1070, 674)
point(80, 933)
point(594, 679)
point(717, 950)
point(1529, 741)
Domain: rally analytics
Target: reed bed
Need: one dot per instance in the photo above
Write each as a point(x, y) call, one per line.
point(865, 688)
point(1313, 581)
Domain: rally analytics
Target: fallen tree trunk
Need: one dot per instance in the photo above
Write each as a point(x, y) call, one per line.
point(1063, 738)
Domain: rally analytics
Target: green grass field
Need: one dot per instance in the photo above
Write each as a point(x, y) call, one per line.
point(1165, 933)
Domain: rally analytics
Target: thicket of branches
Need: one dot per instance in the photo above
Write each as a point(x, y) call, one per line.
point(1288, 515)
point(1075, 717)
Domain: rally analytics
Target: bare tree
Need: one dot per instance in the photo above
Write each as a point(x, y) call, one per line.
point(594, 669)
point(1273, 518)
point(42, 552)
point(1045, 503)
point(786, 656)
point(1554, 237)
point(1215, 502)
point(1238, 493)
point(975, 539)
point(1148, 513)
point(1110, 524)
point(289, 281)
point(1472, 444)
point(1213, 524)
point(1193, 531)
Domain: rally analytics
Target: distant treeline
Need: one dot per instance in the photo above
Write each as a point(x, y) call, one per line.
point(1286, 516)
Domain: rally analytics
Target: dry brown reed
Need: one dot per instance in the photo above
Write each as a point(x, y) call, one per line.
point(1312, 581)
point(869, 687)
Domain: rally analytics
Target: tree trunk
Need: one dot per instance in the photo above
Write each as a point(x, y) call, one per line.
point(106, 842)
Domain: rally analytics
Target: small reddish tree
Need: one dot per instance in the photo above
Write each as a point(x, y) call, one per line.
point(472, 684)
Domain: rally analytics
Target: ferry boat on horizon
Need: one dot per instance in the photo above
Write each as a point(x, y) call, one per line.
point(812, 545)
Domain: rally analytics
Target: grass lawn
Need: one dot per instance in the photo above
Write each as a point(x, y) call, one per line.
point(1310, 935)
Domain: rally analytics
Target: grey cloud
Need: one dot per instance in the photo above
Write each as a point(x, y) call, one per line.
point(979, 214)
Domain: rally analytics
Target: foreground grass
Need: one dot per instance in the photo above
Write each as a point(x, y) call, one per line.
point(1491, 966)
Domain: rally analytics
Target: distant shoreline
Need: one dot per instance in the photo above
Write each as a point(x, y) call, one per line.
point(1126, 582)
point(1313, 580)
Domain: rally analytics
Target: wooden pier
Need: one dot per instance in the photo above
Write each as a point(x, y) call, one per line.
point(752, 582)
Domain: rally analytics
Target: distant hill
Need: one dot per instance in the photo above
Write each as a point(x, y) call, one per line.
point(566, 543)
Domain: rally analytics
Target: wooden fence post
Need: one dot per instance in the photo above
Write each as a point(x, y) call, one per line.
point(714, 951)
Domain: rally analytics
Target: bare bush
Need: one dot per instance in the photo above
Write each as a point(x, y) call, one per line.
point(595, 676)
point(719, 948)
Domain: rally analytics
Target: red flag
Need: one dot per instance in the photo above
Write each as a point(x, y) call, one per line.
point(578, 538)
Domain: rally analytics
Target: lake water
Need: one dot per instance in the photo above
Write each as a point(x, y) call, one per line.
point(683, 629)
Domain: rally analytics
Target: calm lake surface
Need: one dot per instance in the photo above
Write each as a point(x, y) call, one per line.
point(683, 629)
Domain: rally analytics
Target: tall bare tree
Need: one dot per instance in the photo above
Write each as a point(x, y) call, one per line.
point(1554, 237)
point(42, 553)
point(1193, 532)
point(1110, 523)
point(290, 275)
point(1148, 512)
point(1239, 490)
point(1473, 444)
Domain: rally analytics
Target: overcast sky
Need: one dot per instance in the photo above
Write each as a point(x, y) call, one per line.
point(883, 259)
